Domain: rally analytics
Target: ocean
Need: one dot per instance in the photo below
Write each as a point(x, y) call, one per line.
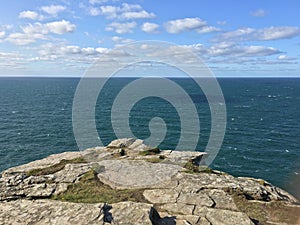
point(261, 139)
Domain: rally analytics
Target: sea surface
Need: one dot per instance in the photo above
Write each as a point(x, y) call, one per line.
point(262, 136)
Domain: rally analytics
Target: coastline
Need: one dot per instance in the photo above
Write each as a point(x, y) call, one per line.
point(128, 182)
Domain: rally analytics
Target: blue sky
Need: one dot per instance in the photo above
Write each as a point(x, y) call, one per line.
point(234, 38)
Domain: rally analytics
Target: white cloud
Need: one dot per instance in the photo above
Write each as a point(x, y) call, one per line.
point(56, 27)
point(207, 29)
point(264, 34)
point(94, 11)
point(121, 40)
point(3, 29)
point(258, 13)
point(69, 53)
point(137, 15)
point(94, 2)
point(38, 31)
point(29, 15)
point(121, 28)
point(37, 28)
point(124, 12)
point(109, 11)
point(186, 24)
point(285, 57)
point(150, 27)
point(53, 10)
point(233, 50)
point(24, 38)
point(61, 27)
point(2, 34)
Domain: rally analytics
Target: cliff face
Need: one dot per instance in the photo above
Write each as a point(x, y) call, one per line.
point(128, 183)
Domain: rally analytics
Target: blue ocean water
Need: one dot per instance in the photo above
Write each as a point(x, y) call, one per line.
point(261, 140)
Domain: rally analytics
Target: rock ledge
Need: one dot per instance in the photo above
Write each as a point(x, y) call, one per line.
point(130, 183)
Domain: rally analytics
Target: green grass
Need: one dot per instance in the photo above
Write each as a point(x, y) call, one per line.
point(153, 151)
point(155, 159)
point(191, 168)
point(90, 190)
point(267, 213)
point(54, 168)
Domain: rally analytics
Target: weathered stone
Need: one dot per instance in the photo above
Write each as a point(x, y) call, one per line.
point(130, 213)
point(201, 199)
point(161, 195)
point(202, 221)
point(182, 157)
point(178, 208)
point(46, 162)
point(182, 222)
point(226, 217)
point(222, 216)
point(191, 219)
point(71, 172)
point(130, 143)
point(123, 174)
point(48, 212)
point(221, 199)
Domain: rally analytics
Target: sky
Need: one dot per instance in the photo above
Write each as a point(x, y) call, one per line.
point(235, 38)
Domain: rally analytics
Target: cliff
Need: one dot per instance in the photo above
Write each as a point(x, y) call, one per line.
point(128, 183)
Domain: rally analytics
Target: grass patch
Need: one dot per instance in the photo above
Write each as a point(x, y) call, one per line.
point(191, 168)
point(153, 151)
point(54, 168)
point(90, 190)
point(155, 159)
point(267, 213)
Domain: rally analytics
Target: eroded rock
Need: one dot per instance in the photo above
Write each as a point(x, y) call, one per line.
point(165, 193)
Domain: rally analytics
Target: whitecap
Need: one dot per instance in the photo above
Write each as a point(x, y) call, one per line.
point(287, 150)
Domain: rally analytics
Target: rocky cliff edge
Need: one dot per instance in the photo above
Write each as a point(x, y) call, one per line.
point(130, 183)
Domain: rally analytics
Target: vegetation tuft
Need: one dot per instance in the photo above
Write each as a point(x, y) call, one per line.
point(192, 168)
point(267, 213)
point(153, 151)
point(155, 159)
point(90, 190)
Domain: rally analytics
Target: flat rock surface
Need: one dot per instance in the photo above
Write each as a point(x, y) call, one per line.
point(135, 173)
point(43, 212)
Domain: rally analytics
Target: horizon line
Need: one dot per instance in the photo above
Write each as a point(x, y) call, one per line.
point(79, 77)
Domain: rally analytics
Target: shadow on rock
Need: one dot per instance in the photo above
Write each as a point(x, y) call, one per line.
point(157, 220)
